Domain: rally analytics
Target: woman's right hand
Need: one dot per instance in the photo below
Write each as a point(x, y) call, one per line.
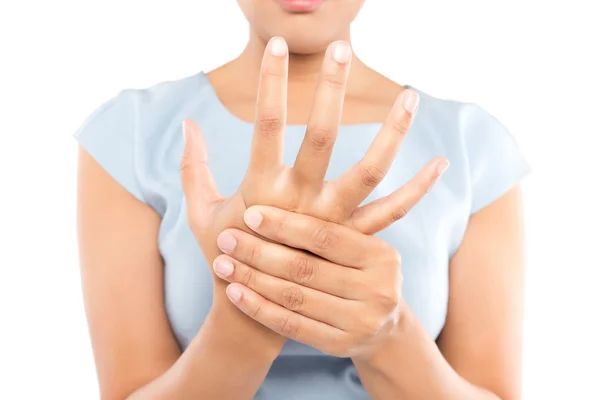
point(302, 188)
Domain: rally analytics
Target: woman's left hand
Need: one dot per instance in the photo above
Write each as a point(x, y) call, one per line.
point(313, 281)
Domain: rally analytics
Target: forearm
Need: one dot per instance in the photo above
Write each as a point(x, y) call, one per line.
point(411, 366)
point(228, 359)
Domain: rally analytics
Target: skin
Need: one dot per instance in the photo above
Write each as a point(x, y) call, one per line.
point(477, 356)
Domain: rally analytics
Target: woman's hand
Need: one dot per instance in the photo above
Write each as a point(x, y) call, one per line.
point(317, 282)
point(301, 188)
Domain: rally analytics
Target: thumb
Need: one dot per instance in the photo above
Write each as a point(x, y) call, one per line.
point(197, 182)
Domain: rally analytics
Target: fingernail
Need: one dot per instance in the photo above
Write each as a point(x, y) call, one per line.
point(341, 52)
point(223, 267)
point(253, 218)
point(442, 166)
point(410, 101)
point(278, 47)
point(184, 131)
point(226, 243)
point(234, 293)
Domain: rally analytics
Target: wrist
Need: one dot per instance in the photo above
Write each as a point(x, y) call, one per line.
point(227, 356)
point(241, 332)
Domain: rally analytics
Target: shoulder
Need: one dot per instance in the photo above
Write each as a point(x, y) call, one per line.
point(456, 117)
point(466, 128)
point(484, 155)
point(154, 106)
point(134, 110)
point(129, 133)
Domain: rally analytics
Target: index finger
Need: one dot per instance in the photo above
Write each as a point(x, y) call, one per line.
point(336, 243)
point(271, 104)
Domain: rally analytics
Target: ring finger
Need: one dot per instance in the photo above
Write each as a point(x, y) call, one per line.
point(302, 300)
point(359, 181)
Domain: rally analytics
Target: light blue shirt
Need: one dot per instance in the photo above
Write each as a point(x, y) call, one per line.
point(136, 137)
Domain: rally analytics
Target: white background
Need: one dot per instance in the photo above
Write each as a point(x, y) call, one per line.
point(532, 64)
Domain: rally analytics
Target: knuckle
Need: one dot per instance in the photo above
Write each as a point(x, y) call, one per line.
point(281, 226)
point(188, 168)
point(395, 258)
point(292, 298)
point(390, 256)
point(333, 80)
point(321, 138)
point(247, 277)
point(289, 327)
point(269, 124)
point(272, 71)
point(324, 238)
point(400, 127)
point(256, 312)
point(423, 186)
point(399, 212)
point(269, 127)
point(371, 175)
point(388, 298)
point(254, 255)
point(303, 269)
point(370, 326)
point(184, 164)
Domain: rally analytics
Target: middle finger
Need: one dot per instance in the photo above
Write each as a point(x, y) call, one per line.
point(314, 154)
point(293, 265)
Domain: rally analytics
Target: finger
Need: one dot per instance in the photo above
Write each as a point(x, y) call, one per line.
point(311, 303)
point(267, 140)
point(336, 243)
point(358, 182)
point(285, 322)
point(290, 264)
point(196, 180)
point(314, 154)
point(381, 213)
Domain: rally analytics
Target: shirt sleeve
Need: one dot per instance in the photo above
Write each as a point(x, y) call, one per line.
point(108, 135)
point(496, 163)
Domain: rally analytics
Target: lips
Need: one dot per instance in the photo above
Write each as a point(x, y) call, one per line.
point(300, 6)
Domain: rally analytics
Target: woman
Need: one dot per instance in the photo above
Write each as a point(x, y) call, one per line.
point(269, 282)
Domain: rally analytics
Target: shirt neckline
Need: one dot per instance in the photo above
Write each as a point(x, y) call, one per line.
point(214, 98)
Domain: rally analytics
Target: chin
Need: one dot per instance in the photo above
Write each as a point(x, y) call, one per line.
point(308, 26)
point(306, 43)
